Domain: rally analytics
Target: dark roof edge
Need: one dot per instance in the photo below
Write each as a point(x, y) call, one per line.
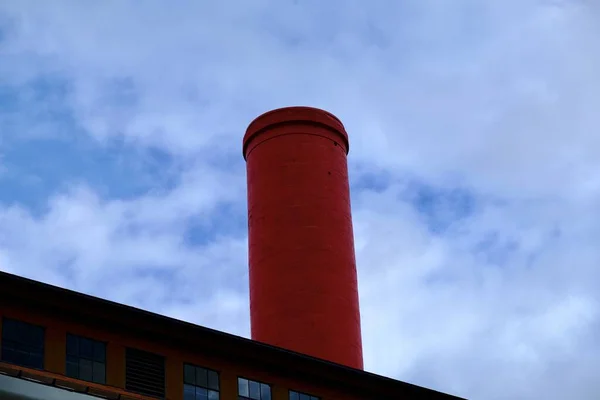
point(9, 284)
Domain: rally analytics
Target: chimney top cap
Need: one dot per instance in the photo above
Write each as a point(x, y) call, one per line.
point(296, 114)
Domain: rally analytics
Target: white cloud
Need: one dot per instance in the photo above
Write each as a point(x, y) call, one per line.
point(135, 251)
point(496, 98)
point(464, 323)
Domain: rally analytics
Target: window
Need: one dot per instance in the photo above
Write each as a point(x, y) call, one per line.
point(22, 343)
point(200, 383)
point(86, 359)
point(301, 396)
point(253, 390)
point(144, 373)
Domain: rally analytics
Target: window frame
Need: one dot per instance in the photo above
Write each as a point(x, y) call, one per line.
point(241, 397)
point(79, 357)
point(195, 385)
point(310, 396)
point(17, 345)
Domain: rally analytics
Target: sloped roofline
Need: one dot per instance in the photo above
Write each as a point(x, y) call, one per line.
point(162, 329)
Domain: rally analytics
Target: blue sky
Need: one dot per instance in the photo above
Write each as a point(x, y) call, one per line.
point(473, 164)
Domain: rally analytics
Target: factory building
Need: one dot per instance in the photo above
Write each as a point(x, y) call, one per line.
point(305, 321)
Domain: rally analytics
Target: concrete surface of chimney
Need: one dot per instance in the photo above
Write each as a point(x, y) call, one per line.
point(303, 281)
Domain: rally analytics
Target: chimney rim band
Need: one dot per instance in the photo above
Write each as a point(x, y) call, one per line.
point(294, 115)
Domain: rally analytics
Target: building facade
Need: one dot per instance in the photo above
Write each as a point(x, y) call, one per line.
point(60, 344)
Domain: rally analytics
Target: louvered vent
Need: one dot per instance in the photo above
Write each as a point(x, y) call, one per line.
point(145, 373)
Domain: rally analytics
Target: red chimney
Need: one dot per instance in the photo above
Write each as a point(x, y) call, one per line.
point(303, 282)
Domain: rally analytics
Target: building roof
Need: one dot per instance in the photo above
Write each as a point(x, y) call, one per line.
point(97, 312)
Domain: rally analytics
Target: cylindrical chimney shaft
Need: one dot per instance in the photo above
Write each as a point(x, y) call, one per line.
point(303, 281)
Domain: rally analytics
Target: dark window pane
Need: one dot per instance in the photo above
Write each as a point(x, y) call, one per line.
point(99, 373)
point(201, 377)
point(85, 369)
point(30, 335)
point(20, 357)
point(86, 359)
point(72, 345)
point(11, 352)
point(73, 369)
point(86, 348)
point(72, 359)
point(304, 396)
point(22, 354)
point(37, 337)
point(213, 380)
point(212, 395)
point(8, 353)
point(254, 388)
point(314, 398)
point(201, 393)
point(36, 360)
point(188, 392)
point(265, 392)
point(22, 343)
point(243, 387)
point(99, 351)
point(10, 329)
point(26, 334)
point(25, 331)
point(294, 395)
point(189, 374)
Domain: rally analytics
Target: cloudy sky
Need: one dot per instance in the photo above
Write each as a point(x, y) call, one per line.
point(474, 168)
